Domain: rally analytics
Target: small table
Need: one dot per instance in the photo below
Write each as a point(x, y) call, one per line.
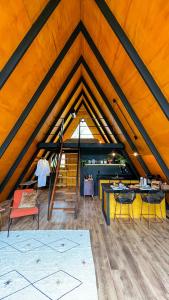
point(1, 211)
point(28, 184)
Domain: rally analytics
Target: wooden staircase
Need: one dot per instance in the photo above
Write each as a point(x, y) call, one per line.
point(64, 189)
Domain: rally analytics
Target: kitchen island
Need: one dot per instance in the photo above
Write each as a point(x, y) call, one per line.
point(109, 202)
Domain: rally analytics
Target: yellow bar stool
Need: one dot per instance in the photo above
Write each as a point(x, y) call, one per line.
point(152, 199)
point(125, 199)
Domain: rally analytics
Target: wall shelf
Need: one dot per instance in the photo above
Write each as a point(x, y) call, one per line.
point(104, 165)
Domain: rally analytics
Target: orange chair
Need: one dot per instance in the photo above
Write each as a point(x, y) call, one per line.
point(17, 212)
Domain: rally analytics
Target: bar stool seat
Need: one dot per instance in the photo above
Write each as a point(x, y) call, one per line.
point(126, 198)
point(152, 199)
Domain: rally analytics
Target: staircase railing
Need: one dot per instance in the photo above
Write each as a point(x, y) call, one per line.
point(78, 177)
point(54, 179)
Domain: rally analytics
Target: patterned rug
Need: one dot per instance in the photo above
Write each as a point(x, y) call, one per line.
point(47, 264)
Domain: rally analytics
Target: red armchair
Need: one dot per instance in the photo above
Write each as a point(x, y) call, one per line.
point(17, 212)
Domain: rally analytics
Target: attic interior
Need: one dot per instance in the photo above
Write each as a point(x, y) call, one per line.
point(84, 139)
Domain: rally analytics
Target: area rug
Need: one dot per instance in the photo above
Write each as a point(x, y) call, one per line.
point(47, 264)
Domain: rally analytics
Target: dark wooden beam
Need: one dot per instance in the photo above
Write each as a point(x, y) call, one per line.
point(39, 91)
point(125, 102)
point(27, 41)
point(55, 146)
point(40, 124)
point(134, 56)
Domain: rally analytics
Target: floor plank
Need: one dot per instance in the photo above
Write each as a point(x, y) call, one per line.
point(131, 263)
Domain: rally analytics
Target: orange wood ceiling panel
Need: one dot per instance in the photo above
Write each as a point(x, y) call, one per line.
point(128, 78)
point(16, 19)
point(30, 71)
point(147, 27)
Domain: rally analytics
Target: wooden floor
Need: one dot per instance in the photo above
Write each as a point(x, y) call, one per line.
point(130, 263)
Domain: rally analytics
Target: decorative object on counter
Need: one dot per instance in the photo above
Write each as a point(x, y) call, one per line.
point(93, 161)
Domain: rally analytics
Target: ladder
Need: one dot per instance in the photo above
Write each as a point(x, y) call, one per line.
point(64, 188)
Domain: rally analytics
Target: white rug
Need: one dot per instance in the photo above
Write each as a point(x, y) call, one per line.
point(47, 264)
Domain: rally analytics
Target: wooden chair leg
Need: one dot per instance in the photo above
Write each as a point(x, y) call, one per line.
point(0, 221)
point(9, 225)
point(38, 221)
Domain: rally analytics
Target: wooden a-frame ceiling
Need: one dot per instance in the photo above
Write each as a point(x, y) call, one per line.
point(111, 54)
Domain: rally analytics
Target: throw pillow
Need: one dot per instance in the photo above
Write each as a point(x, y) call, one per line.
point(28, 200)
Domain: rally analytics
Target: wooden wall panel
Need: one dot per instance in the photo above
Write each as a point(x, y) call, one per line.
point(16, 19)
point(128, 77)
point(30, 71)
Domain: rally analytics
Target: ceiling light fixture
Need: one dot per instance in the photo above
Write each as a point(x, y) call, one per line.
point(135, 154)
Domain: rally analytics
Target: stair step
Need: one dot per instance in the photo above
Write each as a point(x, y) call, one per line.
point(66, 170)
point(68, 164)
point(70, 209)
point(65, 192)
point(65, 200)
point(61, 177)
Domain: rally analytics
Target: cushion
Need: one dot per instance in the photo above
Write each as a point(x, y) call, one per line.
point(28, 200)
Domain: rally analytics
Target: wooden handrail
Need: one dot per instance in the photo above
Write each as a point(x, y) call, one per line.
point(59, 157)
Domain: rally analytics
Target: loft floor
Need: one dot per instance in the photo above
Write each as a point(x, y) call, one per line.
point(130, 263)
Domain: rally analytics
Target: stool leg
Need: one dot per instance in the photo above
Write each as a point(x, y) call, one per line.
point(161, 212)
point(129, 212)
point(115, 211)
point(132, 213)
point(148, 215)
point(120, 209)
point(155, 212)
point(141, 210)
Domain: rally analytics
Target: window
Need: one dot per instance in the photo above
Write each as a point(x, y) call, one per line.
point(85, 132)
